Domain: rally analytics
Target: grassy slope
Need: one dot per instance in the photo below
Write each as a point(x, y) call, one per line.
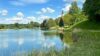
point(87, 25)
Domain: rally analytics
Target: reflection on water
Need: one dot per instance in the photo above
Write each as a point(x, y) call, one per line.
point(66, 38)
point(61, 36)
point(13, 42)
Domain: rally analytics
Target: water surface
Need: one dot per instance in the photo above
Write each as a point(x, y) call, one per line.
point(13, 42)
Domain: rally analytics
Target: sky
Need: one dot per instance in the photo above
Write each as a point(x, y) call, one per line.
point(24, 11)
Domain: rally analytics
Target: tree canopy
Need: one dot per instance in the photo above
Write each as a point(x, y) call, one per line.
point(92, 9)
point(61, 22)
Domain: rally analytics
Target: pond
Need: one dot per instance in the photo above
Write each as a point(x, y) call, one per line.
point(13, 42)
point(36, 42)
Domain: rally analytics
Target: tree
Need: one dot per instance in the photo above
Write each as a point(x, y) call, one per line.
point(92, 9)
point(74, 8)
point(44, 25)
point(36, 24)
point(2, 26)
point(51, 23)
point(61, 22)
point(74, 11)
point(31, 24)
point(16, 25)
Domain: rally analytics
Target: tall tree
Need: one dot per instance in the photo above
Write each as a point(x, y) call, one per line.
point(74, 8)
point(61, 22)
point(92, 9)
point(74, 11)
point(44, 25)
point(16, 25)
point(51, 23)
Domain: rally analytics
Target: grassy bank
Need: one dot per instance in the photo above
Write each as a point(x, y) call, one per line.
point(87, 25)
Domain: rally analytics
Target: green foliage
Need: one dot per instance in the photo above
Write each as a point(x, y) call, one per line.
point(46, 24)
point(73, 16)
point(2, 26)
point(76, 13)
point(68, 20)
point(61, 22)
point(74, 8)
point(89, 25)
point(16, 25)
point(51, 23)
point(19, 26)
point(36, 24)
point(92, 9)
point(31, 24)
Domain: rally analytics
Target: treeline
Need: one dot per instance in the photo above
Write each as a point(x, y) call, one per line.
point(92, 9)
point(19, 26)
point(47, 23)
point(74, 15)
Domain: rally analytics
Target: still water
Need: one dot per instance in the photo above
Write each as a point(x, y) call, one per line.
point(13, 42)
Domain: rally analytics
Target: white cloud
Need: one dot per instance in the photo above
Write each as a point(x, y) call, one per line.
point(45, 10)
point(69, 1)
point(4, 12)
point(67, 7)
point(19, 18)
point(42, 17)
point(50, 10)
point(17, 3)
point(20, 14)
point(31, 18)
point(26, 2)
point(34, 1)
point(15, 19)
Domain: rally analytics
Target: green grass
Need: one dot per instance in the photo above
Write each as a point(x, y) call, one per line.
point(87, 25)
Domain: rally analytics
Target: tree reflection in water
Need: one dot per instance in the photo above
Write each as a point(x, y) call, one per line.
point(68, 37)
point(61, 34)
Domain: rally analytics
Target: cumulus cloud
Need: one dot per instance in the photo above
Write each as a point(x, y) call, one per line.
point(42, 17)
point(31, 18)
point(20, 14)
point(67, 7)
point(26, 2)
point(4, 12)
point(15, 19)
point(69, 1)
point(17, 3)
point(50, 10)
point(46, 10)
point(34, 1)
point(18, 18)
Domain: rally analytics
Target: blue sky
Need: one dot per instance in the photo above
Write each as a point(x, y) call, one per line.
point(24, 11)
